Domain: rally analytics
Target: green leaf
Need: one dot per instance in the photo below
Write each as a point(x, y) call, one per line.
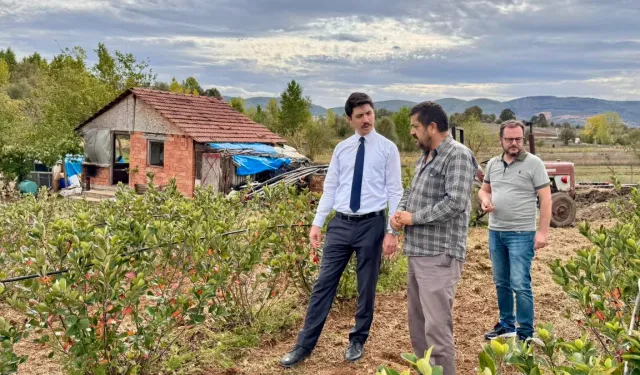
point(83, 324)
point(409, 357)
point(424, 367)
point(487, 362)
point(71, 320)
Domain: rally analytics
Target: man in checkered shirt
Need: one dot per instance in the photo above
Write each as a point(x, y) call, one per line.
point(434, 212)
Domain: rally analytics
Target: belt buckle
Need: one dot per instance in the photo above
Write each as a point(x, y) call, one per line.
point(348, 217)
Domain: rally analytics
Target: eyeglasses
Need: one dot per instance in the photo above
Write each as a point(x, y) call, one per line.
point(510, 140)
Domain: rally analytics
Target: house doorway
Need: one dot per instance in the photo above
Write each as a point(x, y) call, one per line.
point(121, 155)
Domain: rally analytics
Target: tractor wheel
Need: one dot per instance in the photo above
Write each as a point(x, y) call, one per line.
point(563, 210)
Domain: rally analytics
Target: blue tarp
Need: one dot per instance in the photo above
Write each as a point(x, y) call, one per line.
point(73, 165)
point(248, 165)
point(259, 147)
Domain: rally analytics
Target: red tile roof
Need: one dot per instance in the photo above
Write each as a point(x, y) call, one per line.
point(205, 119)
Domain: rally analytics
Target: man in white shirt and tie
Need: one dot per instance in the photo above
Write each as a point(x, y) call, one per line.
point(363, 179)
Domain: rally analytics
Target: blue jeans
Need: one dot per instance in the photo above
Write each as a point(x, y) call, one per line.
point(511, 255)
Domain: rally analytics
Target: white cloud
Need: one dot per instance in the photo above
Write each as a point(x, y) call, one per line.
point(625, 86)
point(242, 92)
point(318, 43)
point(25, 9)
point(516, 7)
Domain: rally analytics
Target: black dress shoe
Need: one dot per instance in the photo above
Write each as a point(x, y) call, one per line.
point(354, 351)
point(294, 357)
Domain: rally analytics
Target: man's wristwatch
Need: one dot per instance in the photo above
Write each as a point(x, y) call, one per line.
point(393, 231)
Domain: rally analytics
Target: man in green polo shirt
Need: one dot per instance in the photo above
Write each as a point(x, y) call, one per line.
point(512, 184)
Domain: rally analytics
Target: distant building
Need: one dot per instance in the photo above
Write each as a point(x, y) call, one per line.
point(195, 139)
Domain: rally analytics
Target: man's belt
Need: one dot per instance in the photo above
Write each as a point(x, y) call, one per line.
point(342, 216)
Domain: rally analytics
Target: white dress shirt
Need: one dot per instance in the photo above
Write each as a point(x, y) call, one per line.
point(381, 178)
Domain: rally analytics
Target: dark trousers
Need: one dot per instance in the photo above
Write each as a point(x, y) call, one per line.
point(343, 238)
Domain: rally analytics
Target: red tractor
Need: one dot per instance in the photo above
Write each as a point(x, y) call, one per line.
point(563, 184)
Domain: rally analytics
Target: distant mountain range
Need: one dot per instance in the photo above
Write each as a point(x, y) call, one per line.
point(574, 110)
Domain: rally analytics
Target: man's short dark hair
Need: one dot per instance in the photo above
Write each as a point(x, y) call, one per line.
point(356, 100)
point(429, 112)
point(511, 124)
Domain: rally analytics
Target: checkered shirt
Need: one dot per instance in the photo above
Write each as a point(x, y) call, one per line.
point(439, 199)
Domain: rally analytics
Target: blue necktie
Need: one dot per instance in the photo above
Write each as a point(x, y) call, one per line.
point(356, 186)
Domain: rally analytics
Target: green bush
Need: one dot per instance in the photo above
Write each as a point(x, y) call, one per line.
point(603, 280)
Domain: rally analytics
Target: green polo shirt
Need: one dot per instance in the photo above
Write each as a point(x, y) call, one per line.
point(514, 191)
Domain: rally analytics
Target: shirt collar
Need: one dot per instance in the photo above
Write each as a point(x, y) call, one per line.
point(367, 138)
point(442, 147)
point(521, 156)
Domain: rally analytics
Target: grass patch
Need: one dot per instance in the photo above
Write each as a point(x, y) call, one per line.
point(393, 275)
point(204, 350)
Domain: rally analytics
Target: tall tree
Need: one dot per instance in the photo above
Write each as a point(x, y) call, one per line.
point(294, 109)
point(387, 128)
point(213, 92)
point(342, 126)
point(604, 128)
point(105, 69)
point(237, 104)
point(273, 115)
point(542, 121)
point(135, 73)
point(10, 57)
point(191, 85)
point(567, 134)
point(35, 59)
point(402, 120)
point(317, 138)
point(162, 86)
point(4, 72)
point(473, 112)
point(261, 116)
point(330, 121)
point(507, 114)
point(175, 86)
point(68, 94)
point(122, 71)
point(534, 119)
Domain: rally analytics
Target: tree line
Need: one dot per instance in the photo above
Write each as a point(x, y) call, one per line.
point(41, 102)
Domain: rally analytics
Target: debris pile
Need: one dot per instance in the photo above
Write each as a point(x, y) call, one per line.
point(311, 177)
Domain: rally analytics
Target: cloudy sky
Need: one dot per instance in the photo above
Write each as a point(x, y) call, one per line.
point(408, 49)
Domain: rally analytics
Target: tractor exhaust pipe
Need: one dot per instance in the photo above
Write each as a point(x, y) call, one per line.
point(532, 141)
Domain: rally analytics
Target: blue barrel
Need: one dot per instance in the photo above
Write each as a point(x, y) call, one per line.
point(27, 187)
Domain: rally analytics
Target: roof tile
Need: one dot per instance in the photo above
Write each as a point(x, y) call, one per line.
point(205, 119)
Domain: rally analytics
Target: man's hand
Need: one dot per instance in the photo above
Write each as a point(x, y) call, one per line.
point(540, 240)
point(389, 245)
point(395, 224)
point(487, 206)
point(315, 236)
point(403, 217)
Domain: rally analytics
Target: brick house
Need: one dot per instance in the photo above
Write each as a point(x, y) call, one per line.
point(168, 134)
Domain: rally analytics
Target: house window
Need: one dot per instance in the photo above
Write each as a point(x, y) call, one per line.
point(156, 153)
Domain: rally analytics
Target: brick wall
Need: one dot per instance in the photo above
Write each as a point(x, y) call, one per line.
point(100, 179)
point(179, 162)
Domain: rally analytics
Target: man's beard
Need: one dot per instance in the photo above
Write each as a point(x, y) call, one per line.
point(423, 146)
point(512, 153)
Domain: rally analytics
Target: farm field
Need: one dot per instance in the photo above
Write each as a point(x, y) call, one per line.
point(592, 163)
point(207, 350)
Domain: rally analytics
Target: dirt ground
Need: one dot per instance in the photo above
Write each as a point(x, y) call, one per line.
point(475, 312)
